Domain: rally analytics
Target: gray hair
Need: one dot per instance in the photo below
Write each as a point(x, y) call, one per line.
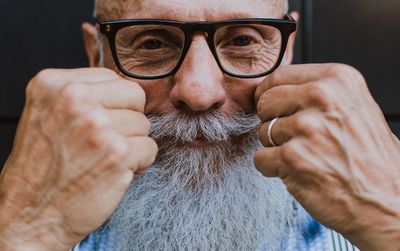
point(209, 198)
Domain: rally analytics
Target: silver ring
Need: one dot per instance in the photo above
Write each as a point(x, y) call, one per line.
point(270, 130)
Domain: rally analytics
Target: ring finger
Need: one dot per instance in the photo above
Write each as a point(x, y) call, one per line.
point(284, 129)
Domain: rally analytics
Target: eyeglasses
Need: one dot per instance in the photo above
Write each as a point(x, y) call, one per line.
point(243, 48)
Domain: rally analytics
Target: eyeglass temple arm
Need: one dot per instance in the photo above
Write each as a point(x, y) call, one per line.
point(289, 17)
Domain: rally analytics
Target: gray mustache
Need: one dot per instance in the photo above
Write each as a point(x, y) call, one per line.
point(211, 126)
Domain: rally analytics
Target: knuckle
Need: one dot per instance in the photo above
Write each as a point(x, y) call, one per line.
point(135, 93)
point(97, 140)
point(40, 83)
point(103, 141)
point(337, 70)
point(30, 91)
point(117, 149)
point(356, 78)
point(261, 103)
point(44, 75)
point(152, 150)
point(307, 124)
point(126, 179)
point(345, 73)
point(146, 124)
point(275, 77)
point(140, 95)
point(264, 110)
point(71, 99)
point(117, 152)
point(290, 153)
point(154, 147)
point(263, 134)
point(73, 93)
point(107, 71)
point(95, 120)
point(320, 95)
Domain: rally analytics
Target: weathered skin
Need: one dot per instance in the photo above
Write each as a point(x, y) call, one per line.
point(83, 136)
point(337, 155)
point(188, 10)
point(80, 141)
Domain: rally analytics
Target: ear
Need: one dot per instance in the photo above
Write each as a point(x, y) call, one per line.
point(292, 38)
point(90, 39)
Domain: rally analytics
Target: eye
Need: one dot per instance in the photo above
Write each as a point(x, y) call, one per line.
point(151, 44)
point(242, 41)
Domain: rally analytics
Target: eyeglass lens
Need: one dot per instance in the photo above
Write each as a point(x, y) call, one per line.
point(248, 50)
point(149, 50)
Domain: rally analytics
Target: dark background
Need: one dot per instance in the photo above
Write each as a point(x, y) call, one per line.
point(41, 34)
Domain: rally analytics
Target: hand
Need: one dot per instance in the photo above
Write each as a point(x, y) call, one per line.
point(81, 140)
point(336, 153)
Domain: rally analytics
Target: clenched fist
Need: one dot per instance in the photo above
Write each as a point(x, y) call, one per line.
point(335, 152)
point(81, 140)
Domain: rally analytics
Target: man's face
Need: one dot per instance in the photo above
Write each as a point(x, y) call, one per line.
point(205, 125)
point(199, 86)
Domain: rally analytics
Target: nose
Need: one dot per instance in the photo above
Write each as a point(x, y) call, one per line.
point(198, 84)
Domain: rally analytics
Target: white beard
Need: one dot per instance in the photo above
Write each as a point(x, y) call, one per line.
point(209, 198)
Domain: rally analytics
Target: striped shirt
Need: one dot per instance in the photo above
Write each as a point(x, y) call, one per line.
point(311, 237)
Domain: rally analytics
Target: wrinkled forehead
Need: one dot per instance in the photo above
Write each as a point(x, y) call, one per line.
point(189, 10)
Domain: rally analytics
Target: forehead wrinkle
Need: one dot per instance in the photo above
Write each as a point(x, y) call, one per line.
point(192, 11)
point(115, 9)
point(260, 9)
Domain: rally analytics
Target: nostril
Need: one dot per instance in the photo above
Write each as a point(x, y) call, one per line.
point(188, 108)
point(180, 105)
point(199, 83)
point(218, 105)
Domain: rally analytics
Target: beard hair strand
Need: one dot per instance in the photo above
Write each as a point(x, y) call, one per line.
point(209, 198)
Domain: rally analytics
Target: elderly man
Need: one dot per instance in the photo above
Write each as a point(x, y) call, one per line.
point(203, 73)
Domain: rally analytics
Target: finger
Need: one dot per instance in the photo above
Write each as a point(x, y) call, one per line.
point(279, 133)
point(283, 101)
point(93, 74)
point(293, 75)
point(115, 94)
point(48, 82)
point(268, 162)
point(143, 151)
point(129, 123)
point(305, 123)
point(59, 77)
point(280, 101)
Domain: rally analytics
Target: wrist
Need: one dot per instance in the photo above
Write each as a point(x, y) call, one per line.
point(32, 241)
point(377, 237)
point(20, 245)
point(24, 233)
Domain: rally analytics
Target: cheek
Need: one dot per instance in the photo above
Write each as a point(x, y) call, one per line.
point(241, 93)
point(157, 93)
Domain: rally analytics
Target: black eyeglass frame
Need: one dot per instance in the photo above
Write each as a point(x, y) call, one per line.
point(110, 29)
